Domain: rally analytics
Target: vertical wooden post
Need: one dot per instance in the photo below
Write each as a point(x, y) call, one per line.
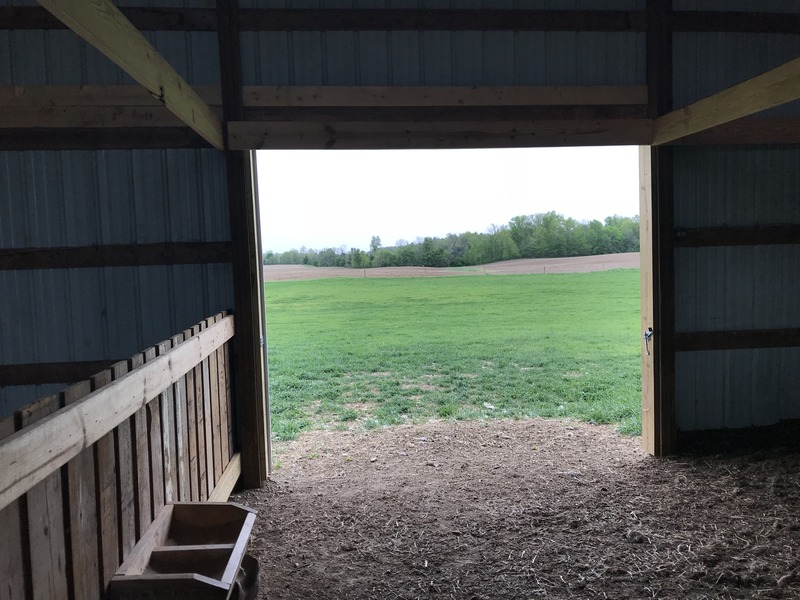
point(658, 423)
point(250, 392)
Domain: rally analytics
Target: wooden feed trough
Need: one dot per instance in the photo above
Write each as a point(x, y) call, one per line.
point(190, 550)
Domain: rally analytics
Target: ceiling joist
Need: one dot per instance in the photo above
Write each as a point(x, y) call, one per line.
point(773, 88)
point(102, 25)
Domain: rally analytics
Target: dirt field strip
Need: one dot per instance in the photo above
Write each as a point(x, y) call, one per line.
point(526, 266)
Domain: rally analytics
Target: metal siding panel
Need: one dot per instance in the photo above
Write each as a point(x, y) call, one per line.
point(705, 63)
point(404, 54)
point(307, 54)
point(467, 53)
point(440, 71)
point(685, 390)
point(530, 52)
point(786, 6)
point(499, 58)
point(340, 54)
point(372, 57)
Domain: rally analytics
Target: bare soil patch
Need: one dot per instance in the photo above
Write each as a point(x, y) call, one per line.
point(573, 264)
point(522, 509)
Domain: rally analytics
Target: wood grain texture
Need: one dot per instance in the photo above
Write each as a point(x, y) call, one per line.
point(191, 431)
point(254, 135)
point(44, 517)
point(773, 88)
point(180, 391)
point(103, 26)
point(82, 495)
point(647, 295)
point(29, 456)
point(107, 493)
point(227, 482)
point(115, 255)
point(126, 468)
point(12, 581)
point(168, 446)
point(155, 445)
point(440, 96)
point(141, 450)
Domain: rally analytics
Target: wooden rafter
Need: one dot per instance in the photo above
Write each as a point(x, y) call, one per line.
point(102, 25)
point(773, 88)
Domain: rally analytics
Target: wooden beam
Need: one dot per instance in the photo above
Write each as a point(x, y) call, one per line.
point(203, 19)
point(376, 135)
point(120, 255)
point(699, 341)
point(755, 235)
point(251, 398)
point(227, 482)
point(113, 138)
point(103, 25)
point(30, 455)
point(750, 130)
point(53, 372)
point(413, 96)
point(773, 88)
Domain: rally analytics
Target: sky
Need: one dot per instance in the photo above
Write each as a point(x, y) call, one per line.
point(327, 199)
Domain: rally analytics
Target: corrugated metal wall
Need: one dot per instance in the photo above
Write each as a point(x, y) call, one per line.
point(743, 287)
point(79, 198)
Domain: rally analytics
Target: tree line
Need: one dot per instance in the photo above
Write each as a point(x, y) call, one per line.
point(543, 235)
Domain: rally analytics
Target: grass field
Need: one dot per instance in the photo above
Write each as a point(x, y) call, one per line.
point(373, 352)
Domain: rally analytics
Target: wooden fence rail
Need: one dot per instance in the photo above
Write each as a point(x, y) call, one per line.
point(83, 473)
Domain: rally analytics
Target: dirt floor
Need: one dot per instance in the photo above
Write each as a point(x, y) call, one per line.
point(573, 264)
point(523, 509)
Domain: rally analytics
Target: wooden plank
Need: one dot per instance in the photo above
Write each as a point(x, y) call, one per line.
point(90, 96)
point(103, 26)
point(648, 301)
point(40, 373)
point(180, 392)
point(144, 19)
point(82, 499)
point(107, 493)
point(12, 569)
point(754, 235)
point(768, 90)
point(255, 135)
point(43, 515)
point(224, 404)
point(112, 138)
point(750, 130)
point(227, 482)
point(200, 408)
point(29, 456)
point(168, 445)
point(121, 255)
point(191, 432)
point(229, 398)
point(439, 20)
point(155, 445)
point(441, 96)
point(96, 117)
point(211, 402)
point(141, 450)
point(664, 286)
point(127, 506)
point(699, 341)
point(208, 436)
point(216, 430)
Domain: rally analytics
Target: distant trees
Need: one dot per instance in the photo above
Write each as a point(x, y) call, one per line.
point(542, 235)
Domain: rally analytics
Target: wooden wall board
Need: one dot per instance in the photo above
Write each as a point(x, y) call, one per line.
point(156, 449)
point(12, 569)
point(180, 390)
point(191, 432)
point(43, 515)
point(82, 512)
point(141, 449)
point(168, 445)
point(107, 493)
point(127, 506)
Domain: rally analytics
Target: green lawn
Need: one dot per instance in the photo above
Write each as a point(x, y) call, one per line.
point(373, 352)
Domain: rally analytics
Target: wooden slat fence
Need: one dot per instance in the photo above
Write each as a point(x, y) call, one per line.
point(76, 520)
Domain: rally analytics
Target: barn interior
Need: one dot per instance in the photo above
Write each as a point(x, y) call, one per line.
point(129, 242)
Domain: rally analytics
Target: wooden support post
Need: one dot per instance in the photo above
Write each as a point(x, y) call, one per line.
point(250, 390)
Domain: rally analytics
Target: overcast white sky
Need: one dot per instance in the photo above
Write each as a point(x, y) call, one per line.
point(321, 199)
